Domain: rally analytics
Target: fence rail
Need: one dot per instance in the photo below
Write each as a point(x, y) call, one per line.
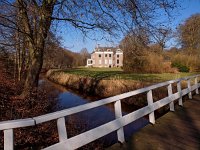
point(120, 121)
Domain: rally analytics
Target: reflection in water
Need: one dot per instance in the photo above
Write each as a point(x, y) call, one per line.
point(93, 117)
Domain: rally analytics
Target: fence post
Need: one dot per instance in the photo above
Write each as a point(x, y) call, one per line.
point(118, 114)
point(180, 101)
point(196, 83)
point(150, 102)
point(189, 88)
point(171, 105)
point(8, 139)
point(62, 133)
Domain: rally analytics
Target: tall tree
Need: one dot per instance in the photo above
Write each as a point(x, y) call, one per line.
point(189, 34)
point(161, 35)
point(134, 47)
point(36, 35)
point(84, 56)
point(109, 16)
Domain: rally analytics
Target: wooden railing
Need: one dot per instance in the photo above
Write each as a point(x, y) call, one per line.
point(120, 121)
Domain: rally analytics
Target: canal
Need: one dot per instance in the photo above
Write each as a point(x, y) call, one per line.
point(92, 118)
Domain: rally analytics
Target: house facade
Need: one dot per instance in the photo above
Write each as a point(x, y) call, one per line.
point(106, 57)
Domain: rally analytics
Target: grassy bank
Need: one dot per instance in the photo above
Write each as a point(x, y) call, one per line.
point(105, 82)
point(117, 73)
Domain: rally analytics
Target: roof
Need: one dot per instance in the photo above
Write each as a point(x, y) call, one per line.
point(106, 49)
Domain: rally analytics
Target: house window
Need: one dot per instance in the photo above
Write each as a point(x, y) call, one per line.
point(110, 61)
point(117, 61)
point(100, 62)
point(106, 62)
point(105, 55)
point(109, 55)
point(99, 55)
point(117, 56)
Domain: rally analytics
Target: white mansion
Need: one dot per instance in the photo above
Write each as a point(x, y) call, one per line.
point(106, 57)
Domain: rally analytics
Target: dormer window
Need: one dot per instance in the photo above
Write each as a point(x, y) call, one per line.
point(108, 50)
point(118, 50)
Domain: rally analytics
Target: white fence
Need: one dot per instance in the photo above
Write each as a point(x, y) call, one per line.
point(66, 143)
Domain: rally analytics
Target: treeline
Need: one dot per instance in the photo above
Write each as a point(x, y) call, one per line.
point(55, 56)
point(62, 58)
point(144, 55)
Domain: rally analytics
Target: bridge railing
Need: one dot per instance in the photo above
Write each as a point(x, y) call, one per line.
point(115, 125)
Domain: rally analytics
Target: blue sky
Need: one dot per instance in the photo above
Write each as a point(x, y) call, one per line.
point(188, 8)
point(75, 41)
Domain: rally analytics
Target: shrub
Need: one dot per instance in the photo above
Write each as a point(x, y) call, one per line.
point(150, 62)
point(154, 63)
point(167, 67)
point(181, 67)
point(186, 63)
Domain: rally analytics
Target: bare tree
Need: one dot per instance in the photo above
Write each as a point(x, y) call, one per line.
point(108, 16)
point(189, 34)
point(84, 56)
point(134, 47)
point(161, 35)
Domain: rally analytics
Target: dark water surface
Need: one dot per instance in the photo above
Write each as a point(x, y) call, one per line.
point(94, 117)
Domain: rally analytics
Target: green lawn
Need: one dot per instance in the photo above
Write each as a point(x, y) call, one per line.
point(117, 73)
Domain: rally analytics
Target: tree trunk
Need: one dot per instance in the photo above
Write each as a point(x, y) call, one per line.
point(36, 41)
point(23, 58)
point(35, 66)
point(18, 49)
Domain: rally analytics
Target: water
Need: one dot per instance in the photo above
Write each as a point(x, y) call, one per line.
point(94, 117)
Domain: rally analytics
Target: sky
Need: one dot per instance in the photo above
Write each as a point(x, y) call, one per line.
point(188, 8)
point(73, 40)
